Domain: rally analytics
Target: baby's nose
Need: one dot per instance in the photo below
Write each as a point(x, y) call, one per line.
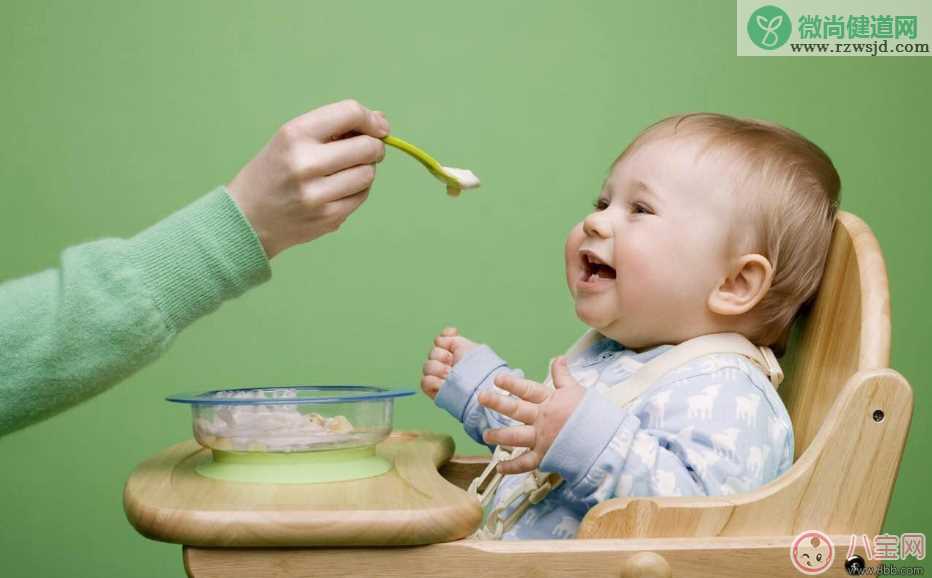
point(595, 225)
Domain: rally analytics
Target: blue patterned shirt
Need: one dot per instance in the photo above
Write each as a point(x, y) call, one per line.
point(714, 426)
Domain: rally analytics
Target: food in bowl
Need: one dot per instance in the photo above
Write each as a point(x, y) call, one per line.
point(291, 419)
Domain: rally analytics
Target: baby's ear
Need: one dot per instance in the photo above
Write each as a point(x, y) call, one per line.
point(743, 287)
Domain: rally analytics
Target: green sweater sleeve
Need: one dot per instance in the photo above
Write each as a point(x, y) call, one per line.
point(114, 305)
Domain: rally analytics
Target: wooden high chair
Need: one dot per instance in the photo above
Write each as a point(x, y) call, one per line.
point(851, 416)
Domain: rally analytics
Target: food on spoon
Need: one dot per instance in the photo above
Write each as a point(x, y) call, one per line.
point(464, 177)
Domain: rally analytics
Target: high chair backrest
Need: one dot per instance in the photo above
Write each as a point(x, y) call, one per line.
point(845, 329)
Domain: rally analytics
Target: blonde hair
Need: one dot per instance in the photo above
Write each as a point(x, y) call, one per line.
point(790, 191)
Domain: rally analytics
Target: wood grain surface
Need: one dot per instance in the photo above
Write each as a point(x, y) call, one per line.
point(165, 499)
point(753, 557)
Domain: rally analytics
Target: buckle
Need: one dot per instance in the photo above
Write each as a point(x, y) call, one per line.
point(544, 488)
point(773, 369)
point(484, 486)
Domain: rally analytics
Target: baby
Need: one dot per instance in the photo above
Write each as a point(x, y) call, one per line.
point(706, 224)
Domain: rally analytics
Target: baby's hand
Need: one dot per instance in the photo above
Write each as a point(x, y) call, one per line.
point(449, 349)
point(545, 411)
point(315, 171)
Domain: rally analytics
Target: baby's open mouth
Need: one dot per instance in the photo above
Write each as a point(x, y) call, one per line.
point(595, 268)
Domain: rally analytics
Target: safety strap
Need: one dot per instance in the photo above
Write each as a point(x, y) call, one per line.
point(535, 487)
point(700, 346)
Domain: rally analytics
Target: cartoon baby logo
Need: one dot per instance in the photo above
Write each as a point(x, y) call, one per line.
point(812, 552)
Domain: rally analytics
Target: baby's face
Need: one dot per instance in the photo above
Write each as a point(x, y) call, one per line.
point(813, 553)
point(642, 265)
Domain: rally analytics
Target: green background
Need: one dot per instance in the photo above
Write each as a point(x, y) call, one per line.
point(114, 114)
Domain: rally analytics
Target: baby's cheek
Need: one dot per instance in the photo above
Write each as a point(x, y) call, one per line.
point(571, 252)
point(647, 285)
point(635, 264)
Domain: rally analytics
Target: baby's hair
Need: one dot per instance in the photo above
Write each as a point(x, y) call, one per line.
point(789, 190)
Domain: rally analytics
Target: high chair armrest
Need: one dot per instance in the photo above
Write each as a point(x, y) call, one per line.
point(461, 470)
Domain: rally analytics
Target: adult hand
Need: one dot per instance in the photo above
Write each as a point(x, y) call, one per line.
point(543, 410)
point(316, 170)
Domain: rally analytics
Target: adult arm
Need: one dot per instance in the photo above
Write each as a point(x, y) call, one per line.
point(112, 306)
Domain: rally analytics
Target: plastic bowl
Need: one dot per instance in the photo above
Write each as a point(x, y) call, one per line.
point(300, 418)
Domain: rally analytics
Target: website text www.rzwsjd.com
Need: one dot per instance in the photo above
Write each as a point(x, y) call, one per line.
point(872, 48)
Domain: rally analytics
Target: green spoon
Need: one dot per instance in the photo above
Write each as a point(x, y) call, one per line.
point(455, 179)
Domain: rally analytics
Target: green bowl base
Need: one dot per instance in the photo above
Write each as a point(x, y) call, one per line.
point(295, 468)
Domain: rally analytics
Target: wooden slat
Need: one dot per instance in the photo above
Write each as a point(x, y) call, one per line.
point(682, 558)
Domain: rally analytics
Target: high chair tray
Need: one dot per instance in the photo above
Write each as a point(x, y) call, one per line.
point(165, 499)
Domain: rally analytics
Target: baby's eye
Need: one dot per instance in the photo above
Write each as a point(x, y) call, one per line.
point(600, 204)
point(640, 208)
